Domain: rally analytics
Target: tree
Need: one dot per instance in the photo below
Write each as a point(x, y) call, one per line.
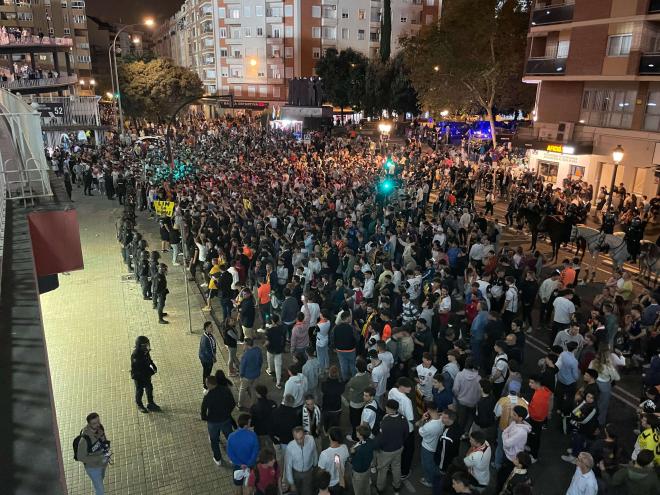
point(473, 57)
point(155, 89)
point(402, 94)
point(386, 31)
point(343, 76)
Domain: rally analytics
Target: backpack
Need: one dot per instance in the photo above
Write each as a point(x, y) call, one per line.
point(379, 416)
point(76, 442)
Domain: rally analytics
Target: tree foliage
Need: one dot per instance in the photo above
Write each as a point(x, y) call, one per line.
point(343, 76)
point(386, 31)
point(473, 58)
point(155, 89)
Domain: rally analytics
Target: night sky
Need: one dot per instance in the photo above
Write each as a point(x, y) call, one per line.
point(131, 11)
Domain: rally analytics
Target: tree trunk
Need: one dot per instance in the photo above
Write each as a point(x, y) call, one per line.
point(491, 119)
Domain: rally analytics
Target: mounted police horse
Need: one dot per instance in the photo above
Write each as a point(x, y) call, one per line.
point(555, 226)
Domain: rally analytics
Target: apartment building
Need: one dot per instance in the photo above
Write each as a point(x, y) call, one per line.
point(250, 48)
point(596, 64)
point(55, 18)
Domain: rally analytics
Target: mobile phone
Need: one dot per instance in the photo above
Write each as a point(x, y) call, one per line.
point(337, 460)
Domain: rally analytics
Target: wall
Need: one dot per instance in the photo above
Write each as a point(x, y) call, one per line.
point(592, 9)
point(559, 101)
point(588, 46)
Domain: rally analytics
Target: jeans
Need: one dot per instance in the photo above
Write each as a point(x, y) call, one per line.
point(275, 365)
point(215, 428)
point(175, 252)
point(347, 364)
point(96, 474)
point(207, 368)
point(140, 388)
point(429, 467)
point(232, 361)
point(324, 358)
point(605, 393)
point(227, 306)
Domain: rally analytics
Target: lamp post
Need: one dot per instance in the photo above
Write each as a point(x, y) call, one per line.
point(617, 157)
point(113, 50)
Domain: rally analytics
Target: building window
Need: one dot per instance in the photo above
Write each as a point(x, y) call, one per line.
point(263, 90)
point(344, 33)
point(63, 4)
point(288, 52)
point(362, 14)
point(288, 72)
point(76, 4)
point(235, 13)
point(429, 19)
point(549, 170)
point(260, 31)
point(288, 11)
point(316, 52)
point(236, 71)
point(652, 118)
point(67, 32)
point(247, 32)
point(316, 32)
point(360, 34)
point(404, 20)
point(344, 13)
point(261, 74)
point(79, 19)
point(237, 90)
point(82, 46)
point(84, 59)
point(252, 90)
point(288, 32)
point(237, 53)
point(316, 11)
point(224, 71)
point(329, 33)
point(276, 91)
point(223, 52)
point(208, 42)
point(222, 12)
point(259, 10)
point(608, 107)
point(374, 36)
point(247, 11)
point(236, 33)
point(618, 45)
point(25, 16)
point(430, 3)
point(222, 32)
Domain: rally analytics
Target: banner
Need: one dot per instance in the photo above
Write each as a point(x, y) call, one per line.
point(55, 237)
point(164, 208)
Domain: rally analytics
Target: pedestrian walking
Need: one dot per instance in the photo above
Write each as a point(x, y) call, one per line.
point(250, 370)
point(301, 457)
point(275, 345)
point(92, 448)
point(217, 407)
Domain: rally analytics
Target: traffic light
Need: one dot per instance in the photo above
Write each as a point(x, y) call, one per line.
point(387, 164)
point(386, 187)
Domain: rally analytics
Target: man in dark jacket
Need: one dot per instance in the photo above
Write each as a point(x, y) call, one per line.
point(285, 418)
point(142, 369)
point(225, 280)
point(448, 447)
point(207, 351)
point(275, 344)
point(389, 445)
point(262, 411)
point(250, 370)
point(217, 406)
point(246, 311)
point(345, 345)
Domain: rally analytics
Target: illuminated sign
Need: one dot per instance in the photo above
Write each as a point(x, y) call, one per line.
point(560, 148)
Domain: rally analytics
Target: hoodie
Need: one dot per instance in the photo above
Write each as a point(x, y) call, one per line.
point(296, 386)
point(636, 480)
point(514, 439)
point(466, 388)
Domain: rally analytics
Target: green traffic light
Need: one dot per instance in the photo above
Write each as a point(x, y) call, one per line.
point(387, 186)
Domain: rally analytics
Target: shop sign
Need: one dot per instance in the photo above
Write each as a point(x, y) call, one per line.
point(560, 148)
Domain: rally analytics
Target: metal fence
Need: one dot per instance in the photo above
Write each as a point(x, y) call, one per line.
point(23, 165)
point(72, 111)
point(24, 83)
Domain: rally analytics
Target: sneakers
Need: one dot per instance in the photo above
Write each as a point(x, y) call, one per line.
point(218, 462)
point(206, 308)
point(176, 264)
point(278, 386)
point(269, 373)
point(426, 483)
point(568, 458)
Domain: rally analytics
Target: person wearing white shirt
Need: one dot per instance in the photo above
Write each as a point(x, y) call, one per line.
point(369, 283)
point(333, 459)
point(584, 480)
point(425, 373)
point(379, 375)
point(547, 289)
point(384, 355)
point(370, 410)
point(400, 394)
point(477, 458)
point(299, 461)
point(563, 312)
point(430, 428)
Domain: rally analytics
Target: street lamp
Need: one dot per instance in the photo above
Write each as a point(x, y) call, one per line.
point(436, 68)
point(253, 62)
point(617, 157)
point(109, 95)
point(115, 81)
point(385, 128)
point(444, 113)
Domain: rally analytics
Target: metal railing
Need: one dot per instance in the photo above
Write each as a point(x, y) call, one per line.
point(26, 83)
point(76, 111)
point(546, 66)
point(26, 172)
point(34, 40)
point(553, 14)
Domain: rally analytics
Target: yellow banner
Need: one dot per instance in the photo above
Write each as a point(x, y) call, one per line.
point(164, 208)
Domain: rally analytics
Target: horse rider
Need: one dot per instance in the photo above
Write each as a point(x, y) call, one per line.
point(609, 219)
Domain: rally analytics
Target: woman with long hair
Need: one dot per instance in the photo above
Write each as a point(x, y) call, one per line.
point(607, 374)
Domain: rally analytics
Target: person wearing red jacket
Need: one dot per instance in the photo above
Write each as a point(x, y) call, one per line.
point(538, 413)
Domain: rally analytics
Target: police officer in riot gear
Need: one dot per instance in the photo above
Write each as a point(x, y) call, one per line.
point(160, 291)
point(609, 219)
point(142, 369)
point(634, 236)
point(145, 282)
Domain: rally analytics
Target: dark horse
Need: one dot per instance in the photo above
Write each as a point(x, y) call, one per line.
point(553, 225)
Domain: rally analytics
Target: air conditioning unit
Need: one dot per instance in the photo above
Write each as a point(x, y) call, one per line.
point(565, 131)
point(548, 132)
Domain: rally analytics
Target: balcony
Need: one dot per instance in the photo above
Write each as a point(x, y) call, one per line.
point(654, 7)
point(554, 14)
point(548, 66)
point(31, 41)
point(649, 64)
point(36, 84)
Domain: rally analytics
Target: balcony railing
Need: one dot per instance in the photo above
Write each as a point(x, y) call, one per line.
point(654, 6)
point(548, 66)
point(649, 64)
point(8, 40)
point(19, 84)
point(553, 14)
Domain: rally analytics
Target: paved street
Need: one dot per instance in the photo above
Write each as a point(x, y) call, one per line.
point(91, 323)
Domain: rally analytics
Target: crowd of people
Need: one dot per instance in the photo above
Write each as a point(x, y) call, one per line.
point(375, 290)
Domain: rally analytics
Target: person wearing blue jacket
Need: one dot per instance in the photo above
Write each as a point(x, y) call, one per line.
point(242, 450)
point(207, 351)
point(250, 370)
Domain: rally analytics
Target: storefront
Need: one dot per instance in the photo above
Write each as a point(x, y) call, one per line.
point(556, 162)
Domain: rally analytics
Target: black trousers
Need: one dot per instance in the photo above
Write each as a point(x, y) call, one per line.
point(534, 440)
point(407, 455)
point(355, 415)
point(146, 286)
point(142, 386)
point(206, 371)
point(160, 304)
point(564, 397)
